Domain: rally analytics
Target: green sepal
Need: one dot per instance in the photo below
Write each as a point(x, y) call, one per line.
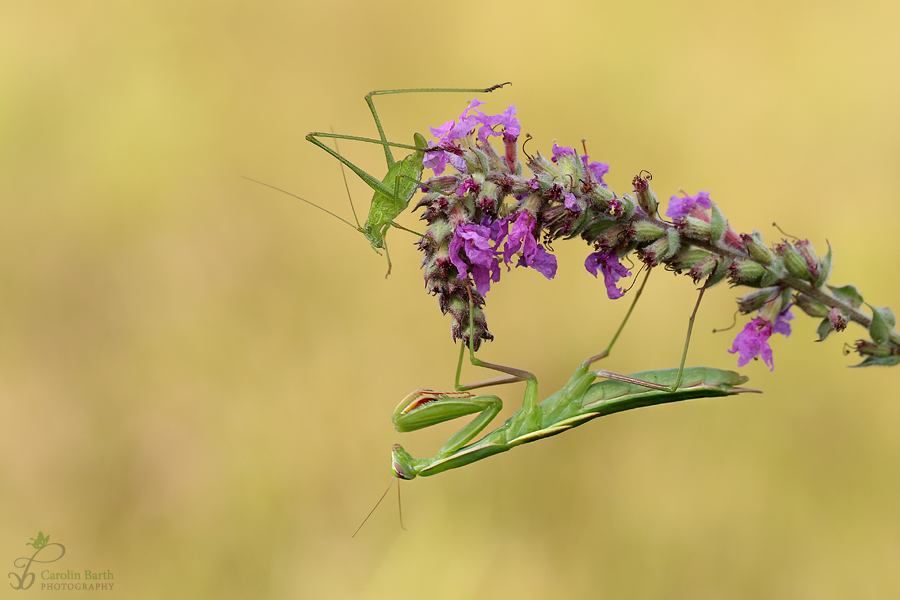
point(883, 322)
point(758, 249)
point(879, 361)
point(719, 274)
point(848, 294)
point(483, 164)
point(688, 258)
point(824, 328)
point(674, 242)
point(629, 205)
point(812, 307)
point(719, 224)
point(773, 273)
point(794, 263)
point(824, 267)
point(598, 227)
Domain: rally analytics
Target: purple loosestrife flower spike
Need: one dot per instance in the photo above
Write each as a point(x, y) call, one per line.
point(753, 341)
point(680, 207)
point(612, 270)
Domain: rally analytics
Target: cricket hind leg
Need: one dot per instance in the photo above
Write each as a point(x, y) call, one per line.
point(371, 103)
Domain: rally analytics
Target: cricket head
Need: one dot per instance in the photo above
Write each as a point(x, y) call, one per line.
point(402, 466)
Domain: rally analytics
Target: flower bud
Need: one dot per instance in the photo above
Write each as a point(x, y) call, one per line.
point(808, 253)
point(813, 308)
point(756, 300)
point(867, 348)
point(795, 264)
point(645, 196)
point(645, 231)
point(613, 237)
point(773, 307)
point(757, 249)
point(653, 253)
point(695, 228)
point(705, 268)
point(626, 206)
point(745, 272)
point(687, 259)
point(444, 184)
point(458, 307)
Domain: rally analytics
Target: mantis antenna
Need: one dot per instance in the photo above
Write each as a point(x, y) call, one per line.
point(399, 508)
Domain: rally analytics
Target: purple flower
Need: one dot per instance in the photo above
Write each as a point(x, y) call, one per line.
point(533, 254)
point(680, 207)
point(561, 151)
point(572, 203)
point(753, 341)
point(465, 186)
point(451, 131)
point(612, 270)
point(448, 134)
point(511, 126)
point(597, 169)
point(475, 241)
point(541, 261)
point(437, 160)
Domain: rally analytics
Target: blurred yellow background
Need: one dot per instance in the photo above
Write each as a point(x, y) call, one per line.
point(197, 373)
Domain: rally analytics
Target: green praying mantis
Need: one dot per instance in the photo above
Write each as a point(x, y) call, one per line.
point(394, 191)
point(579, 401)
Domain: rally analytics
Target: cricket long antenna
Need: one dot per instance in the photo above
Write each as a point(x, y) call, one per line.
point(376, 506)
point(346, 186)
point(304, 199)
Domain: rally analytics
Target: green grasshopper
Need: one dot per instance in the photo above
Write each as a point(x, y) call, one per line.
point(396, 189)
point(580, 401)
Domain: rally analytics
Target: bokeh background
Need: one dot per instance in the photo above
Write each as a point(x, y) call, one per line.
point(197, 373)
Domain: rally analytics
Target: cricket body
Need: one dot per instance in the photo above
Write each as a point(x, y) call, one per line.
point(396, 189)
point(580, 401)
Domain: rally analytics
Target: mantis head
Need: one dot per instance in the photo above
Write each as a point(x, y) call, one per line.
point(402, 466)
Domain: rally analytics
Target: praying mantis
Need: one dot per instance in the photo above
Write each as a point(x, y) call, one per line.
point(396, 189)
point(579, 401)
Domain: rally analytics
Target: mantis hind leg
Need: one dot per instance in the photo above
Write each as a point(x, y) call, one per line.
point(687, 341)
point(512, 374)
point(529, 417)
